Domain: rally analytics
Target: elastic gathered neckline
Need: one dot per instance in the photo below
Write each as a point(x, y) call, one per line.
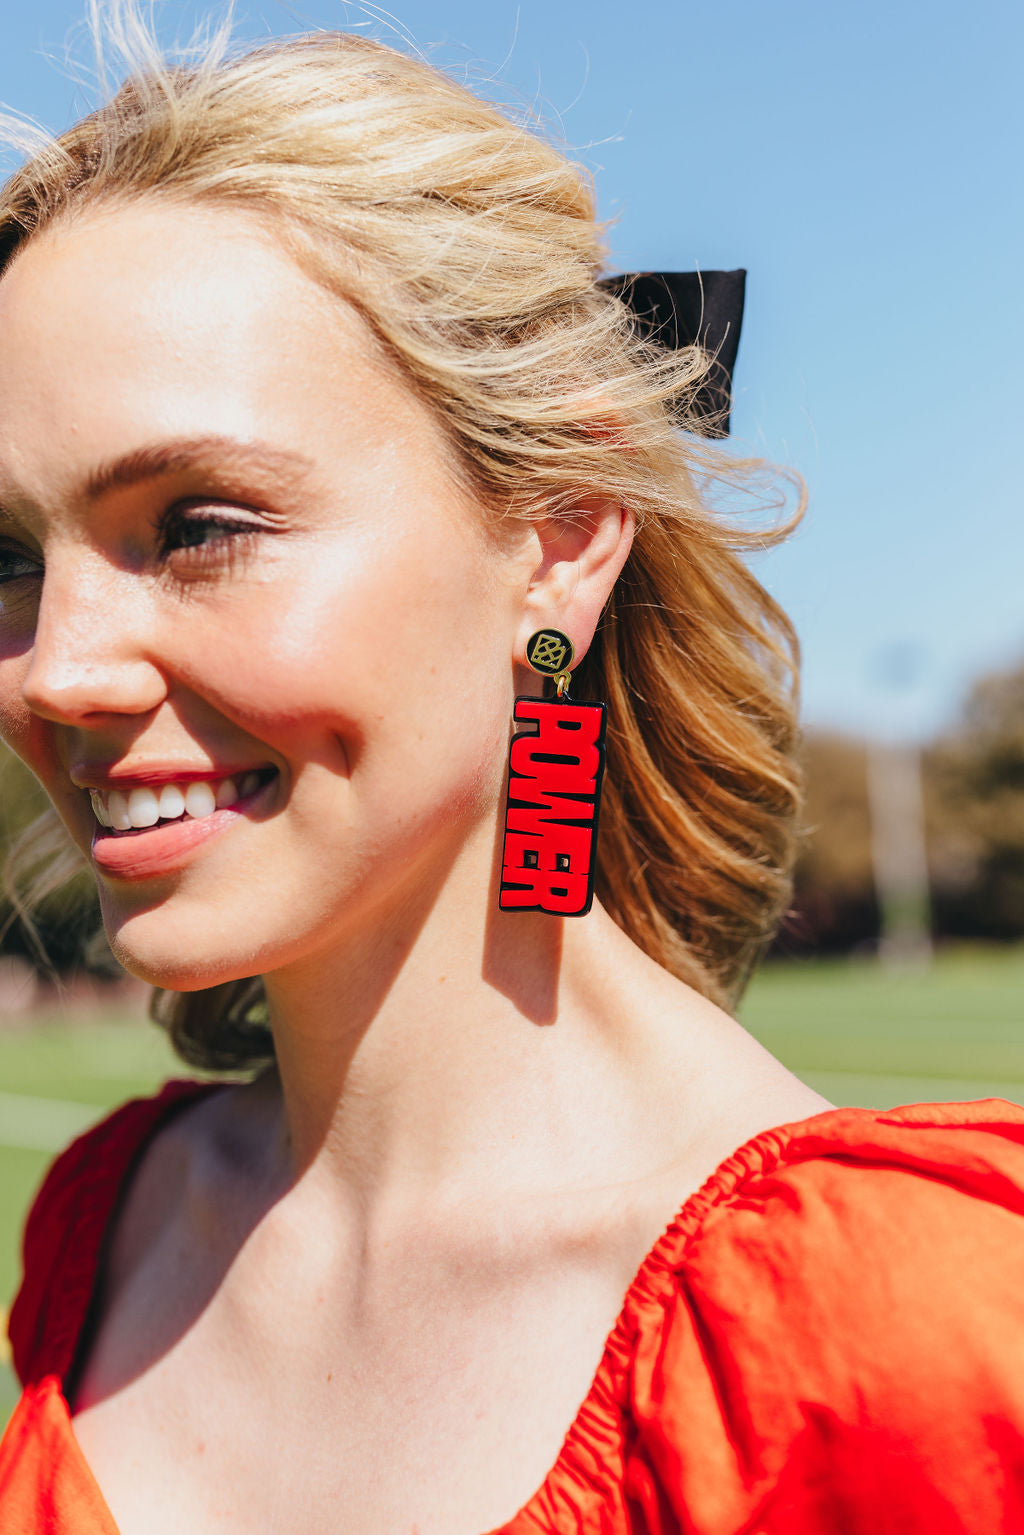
point(598, 1421)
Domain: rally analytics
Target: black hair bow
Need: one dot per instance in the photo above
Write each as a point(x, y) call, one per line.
point(685, 308)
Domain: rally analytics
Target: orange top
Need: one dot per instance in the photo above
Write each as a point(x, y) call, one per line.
point(828, 1338)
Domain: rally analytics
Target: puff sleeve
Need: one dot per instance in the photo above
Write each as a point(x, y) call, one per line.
point(837, 1342)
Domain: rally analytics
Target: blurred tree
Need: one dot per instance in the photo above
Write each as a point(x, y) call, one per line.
point(974, 808)
point(975, 802)
point(834, 904)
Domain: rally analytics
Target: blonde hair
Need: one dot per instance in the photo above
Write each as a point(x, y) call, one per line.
point(470, 246)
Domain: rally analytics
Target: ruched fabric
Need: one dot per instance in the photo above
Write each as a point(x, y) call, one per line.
point(827, 1340)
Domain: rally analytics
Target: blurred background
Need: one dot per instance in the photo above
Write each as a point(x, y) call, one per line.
point(862, 163)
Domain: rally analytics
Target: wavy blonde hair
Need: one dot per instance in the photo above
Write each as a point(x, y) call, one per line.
point(470, 245)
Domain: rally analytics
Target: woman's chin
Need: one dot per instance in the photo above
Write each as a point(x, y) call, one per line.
point(160, 964)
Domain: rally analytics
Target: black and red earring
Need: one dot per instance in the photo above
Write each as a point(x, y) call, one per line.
point(554, 791)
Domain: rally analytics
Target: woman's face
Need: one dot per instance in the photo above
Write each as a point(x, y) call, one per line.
point(257, 556)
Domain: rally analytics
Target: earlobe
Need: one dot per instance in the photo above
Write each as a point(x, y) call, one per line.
point(582, 552)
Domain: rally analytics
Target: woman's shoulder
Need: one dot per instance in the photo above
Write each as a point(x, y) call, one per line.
point(976, 1148)
point(837, 1318)
point(67, 1221)
point(865, 1199)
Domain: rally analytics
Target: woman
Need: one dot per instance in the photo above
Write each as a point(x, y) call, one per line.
point(315, 416)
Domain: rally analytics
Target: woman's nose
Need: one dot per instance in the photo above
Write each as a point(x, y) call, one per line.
point(90, 655)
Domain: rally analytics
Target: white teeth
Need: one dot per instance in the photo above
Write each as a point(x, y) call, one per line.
point(99, 810)
point(117, 808)
point(200, 801)
point(144, 806)
point(226, 793)
point(172, 802)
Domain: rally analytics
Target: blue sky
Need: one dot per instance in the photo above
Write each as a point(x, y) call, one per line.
point(863, 163)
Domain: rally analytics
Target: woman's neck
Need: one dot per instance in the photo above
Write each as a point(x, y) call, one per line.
point(491, 1051)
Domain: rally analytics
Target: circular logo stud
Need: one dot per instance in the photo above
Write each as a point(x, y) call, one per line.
point(549, 652)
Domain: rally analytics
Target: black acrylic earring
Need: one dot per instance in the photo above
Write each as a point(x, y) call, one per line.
point(554, 791)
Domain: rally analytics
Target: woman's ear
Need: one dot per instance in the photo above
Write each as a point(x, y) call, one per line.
point(580, 553)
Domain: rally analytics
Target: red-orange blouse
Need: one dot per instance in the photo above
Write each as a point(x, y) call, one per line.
point(828, 1338)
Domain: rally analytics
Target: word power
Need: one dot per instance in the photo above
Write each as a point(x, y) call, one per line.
point(554, 790)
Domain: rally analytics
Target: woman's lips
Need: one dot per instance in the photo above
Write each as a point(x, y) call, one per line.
point(147, 851)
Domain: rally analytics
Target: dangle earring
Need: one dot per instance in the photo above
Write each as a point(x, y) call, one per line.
point(554, 791)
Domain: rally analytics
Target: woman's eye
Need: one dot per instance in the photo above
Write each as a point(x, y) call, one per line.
point(196, 536)
point(16, 563)
point(201, 535)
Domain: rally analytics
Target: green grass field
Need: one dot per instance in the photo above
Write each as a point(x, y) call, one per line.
point(858, 1034)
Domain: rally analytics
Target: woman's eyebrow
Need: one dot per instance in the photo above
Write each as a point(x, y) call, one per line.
point(226, 454)
point(220, 455)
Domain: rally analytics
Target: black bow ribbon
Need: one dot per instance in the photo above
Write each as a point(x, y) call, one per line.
point(681, 309)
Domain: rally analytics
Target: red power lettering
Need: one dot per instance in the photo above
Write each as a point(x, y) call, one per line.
point(551, 812)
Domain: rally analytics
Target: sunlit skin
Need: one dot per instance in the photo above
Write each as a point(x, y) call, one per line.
point(453, 1083)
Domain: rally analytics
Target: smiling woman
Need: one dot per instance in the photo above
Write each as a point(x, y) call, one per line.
point(320, 440)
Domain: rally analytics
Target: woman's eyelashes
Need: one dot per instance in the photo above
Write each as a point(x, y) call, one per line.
point(195, 537)
point(16, 563)
point(185, 534)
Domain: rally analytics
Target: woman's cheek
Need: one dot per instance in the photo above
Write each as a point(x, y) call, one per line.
point(28, 737)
